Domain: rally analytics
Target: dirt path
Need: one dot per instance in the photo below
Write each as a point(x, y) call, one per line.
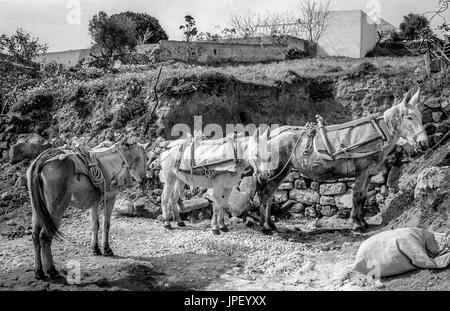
point(150, 258)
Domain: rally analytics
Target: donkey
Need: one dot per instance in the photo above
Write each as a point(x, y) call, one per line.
point(222, 182)
point(403, 120)
point(54, 185)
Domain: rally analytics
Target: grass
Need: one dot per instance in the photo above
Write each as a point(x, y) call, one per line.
point(269, 73)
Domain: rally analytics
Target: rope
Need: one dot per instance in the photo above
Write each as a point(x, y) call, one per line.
point(96, 175)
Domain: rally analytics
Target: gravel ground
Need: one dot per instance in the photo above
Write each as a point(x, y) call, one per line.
point(150, 258)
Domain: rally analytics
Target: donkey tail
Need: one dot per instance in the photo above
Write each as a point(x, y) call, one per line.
point(36, 191)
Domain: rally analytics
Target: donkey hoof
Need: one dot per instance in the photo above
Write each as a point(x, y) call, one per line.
point(168, 227)
point(364, 224)
point(107, 252)
point(272, 226)
point(224, 229)
point(358, 228)
point(96, 251)
point(54, 274)
point(39, 274)
point(266, 231)
point(181, 224)
point(216, 231)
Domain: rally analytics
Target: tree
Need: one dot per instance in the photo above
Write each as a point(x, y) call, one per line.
point(112, 36)
point(413, 25)
point(189, 29)
point(313, 18)
point(148, 29)
point(22, 46)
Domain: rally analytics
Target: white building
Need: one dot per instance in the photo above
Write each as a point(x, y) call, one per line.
point(350, 33)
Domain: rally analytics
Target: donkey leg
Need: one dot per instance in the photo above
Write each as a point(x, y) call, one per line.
point(361, 183)
point(180, 206)
point(268, 225)
point(221, 216)
point(107, 211)
point(37, 228)
point(216, 210)
point(177, 204)
point(57, 196)
point(363, 203)
point(165, 200)
point(94, 228)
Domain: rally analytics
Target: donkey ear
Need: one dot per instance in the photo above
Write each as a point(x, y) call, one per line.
point(256, 135)
point(144, 146)
point(406, 99)
point(414, 101)
point(266, 134)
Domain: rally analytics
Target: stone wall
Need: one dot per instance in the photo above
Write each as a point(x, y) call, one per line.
point(217, 52)
point(315, 199)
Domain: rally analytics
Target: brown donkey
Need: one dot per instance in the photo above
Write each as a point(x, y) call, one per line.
point(54, 184)
point(291, 147)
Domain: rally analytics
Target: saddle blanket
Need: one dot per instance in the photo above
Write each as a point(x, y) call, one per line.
point(217, 155)
point(361, 136)
point(94, 163)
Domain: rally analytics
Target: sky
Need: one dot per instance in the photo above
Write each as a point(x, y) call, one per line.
point(63, 24)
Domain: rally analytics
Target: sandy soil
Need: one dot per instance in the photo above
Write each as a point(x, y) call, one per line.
point(150, 258)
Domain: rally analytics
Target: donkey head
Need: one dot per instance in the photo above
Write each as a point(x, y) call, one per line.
point(134, 154)
point(260, 155)
point(405, 119)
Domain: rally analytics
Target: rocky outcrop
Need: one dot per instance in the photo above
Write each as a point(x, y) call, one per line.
point(27, 148)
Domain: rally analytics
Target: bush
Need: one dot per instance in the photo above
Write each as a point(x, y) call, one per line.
point(295, 53)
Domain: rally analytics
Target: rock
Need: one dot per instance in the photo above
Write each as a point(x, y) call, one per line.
point(280, 196)
point(310, 212)
point(327, 200)
point(315, 185)
point(305, 196)
point(256, 202)
point(384, 191)
point(378, 179)
point(300, 184)
point(332, 189)
point(344, 201)
point(21, 182)
point(430, 128)
point(248, 186)
point(239, 202)
point(437, 138)
point(297, 208)
point(426, 117)
point(286, 186)
point(140, 202)
point(379, 199)
point(446, 105)
point(351, 184)
point(334, 222)
point(289, 178)
point(430, 180)
point(344, 213)
point(328, 211)
point(27, 148)
point(437, 116)
point(443, 127)
point(287, 206)
point(124, 207)
point(433, 103)
point(376, 220)
point(394, 176)
point(195, 204)
point(205, 213)
point(296, 175)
